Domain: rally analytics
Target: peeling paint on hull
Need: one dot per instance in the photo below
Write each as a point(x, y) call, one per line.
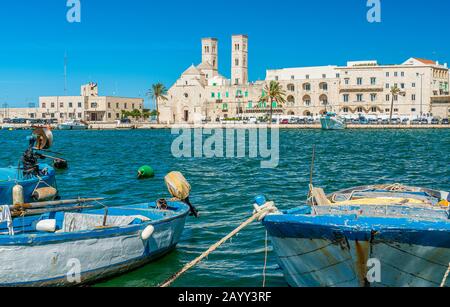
point(332, 251)
point(102, 254)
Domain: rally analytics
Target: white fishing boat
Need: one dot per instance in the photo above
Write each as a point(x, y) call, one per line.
point(73, 125)
point(331, 121)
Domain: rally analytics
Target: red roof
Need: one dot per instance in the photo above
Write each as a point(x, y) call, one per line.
point(425, 61)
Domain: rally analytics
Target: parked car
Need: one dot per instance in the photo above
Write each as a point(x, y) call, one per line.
point(424, 121)
point(415, 121)
point(405, 121)
point(435, 121)
point(284, 122)
point(445, 121)
point(395, 121)
point(125, 121)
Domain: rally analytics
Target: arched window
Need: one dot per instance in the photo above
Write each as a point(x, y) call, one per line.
point(291, 100)
point(307, 86)
point(323, 86)
point(307, 100)
point(291, 87)
point(323, 100)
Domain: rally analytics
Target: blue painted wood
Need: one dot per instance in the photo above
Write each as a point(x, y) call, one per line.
point(331, 245)
point(9, 177)
point(32, 258)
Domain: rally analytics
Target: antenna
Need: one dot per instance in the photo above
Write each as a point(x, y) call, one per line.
point(65, 73)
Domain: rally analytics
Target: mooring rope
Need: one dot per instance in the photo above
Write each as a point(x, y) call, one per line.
point(259, 214)
point(445, 277)
point(266, 254)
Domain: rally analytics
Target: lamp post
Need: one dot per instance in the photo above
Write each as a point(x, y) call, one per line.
point(421, 93)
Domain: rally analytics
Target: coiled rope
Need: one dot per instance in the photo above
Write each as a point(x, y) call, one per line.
point(259, 214)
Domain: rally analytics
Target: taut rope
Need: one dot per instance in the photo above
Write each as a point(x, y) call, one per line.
point(445, 277)
point(259, 214)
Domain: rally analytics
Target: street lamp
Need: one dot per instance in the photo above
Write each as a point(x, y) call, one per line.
point(421, 93)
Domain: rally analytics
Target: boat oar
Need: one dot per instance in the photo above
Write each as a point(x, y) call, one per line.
point(32, 212)
point(54, 203)
point(58, 163)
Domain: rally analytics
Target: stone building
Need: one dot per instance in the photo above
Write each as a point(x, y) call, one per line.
point(359, 88)
point(89, 107)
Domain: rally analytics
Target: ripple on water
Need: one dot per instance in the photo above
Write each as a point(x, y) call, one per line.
point(104, 164)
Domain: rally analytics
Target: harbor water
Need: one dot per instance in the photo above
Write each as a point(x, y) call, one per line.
point(105, 164)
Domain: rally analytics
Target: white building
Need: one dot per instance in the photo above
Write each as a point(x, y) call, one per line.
point(360, 87)
point(89, 107)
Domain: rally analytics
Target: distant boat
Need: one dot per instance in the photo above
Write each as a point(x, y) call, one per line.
point(73, 125)
point(73, 248)
point(335, 240)
point(331, 121)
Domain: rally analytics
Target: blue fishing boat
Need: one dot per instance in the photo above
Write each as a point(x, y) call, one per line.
point(43, 180)
point(86, 245)
point(74, 242)
point(330, 121)
point(381, 235)
point(30, 180)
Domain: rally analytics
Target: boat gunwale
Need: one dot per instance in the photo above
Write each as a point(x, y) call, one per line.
point(50, 175)
point(55, 238)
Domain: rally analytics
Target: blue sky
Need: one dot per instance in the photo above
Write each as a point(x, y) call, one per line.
point(126, 46)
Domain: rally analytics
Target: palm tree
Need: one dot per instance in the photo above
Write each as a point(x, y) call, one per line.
point(395, 91)
point(273, 92)
point(158, 92)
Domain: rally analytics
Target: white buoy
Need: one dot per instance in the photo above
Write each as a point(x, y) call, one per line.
point(18, 198)
point(147, 233)
point(46, 226)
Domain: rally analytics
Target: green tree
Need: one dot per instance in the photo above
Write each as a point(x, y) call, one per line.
point(273, 92)
point(395, 91)
point(125, 114)
point(135, 114)
point(158, 93)
point(146, 113)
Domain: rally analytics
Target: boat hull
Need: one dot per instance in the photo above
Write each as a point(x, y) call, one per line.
point(331, 123)
point(82, 258)
point(331, 251)
point(72, 127)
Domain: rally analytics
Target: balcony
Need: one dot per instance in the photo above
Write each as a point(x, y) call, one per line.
point(347, 88)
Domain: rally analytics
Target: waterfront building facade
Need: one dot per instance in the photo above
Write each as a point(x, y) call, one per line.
point(89, 107)
point(359, 88)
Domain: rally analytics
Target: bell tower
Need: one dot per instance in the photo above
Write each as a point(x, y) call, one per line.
point(210, 52)
point(239, 59)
